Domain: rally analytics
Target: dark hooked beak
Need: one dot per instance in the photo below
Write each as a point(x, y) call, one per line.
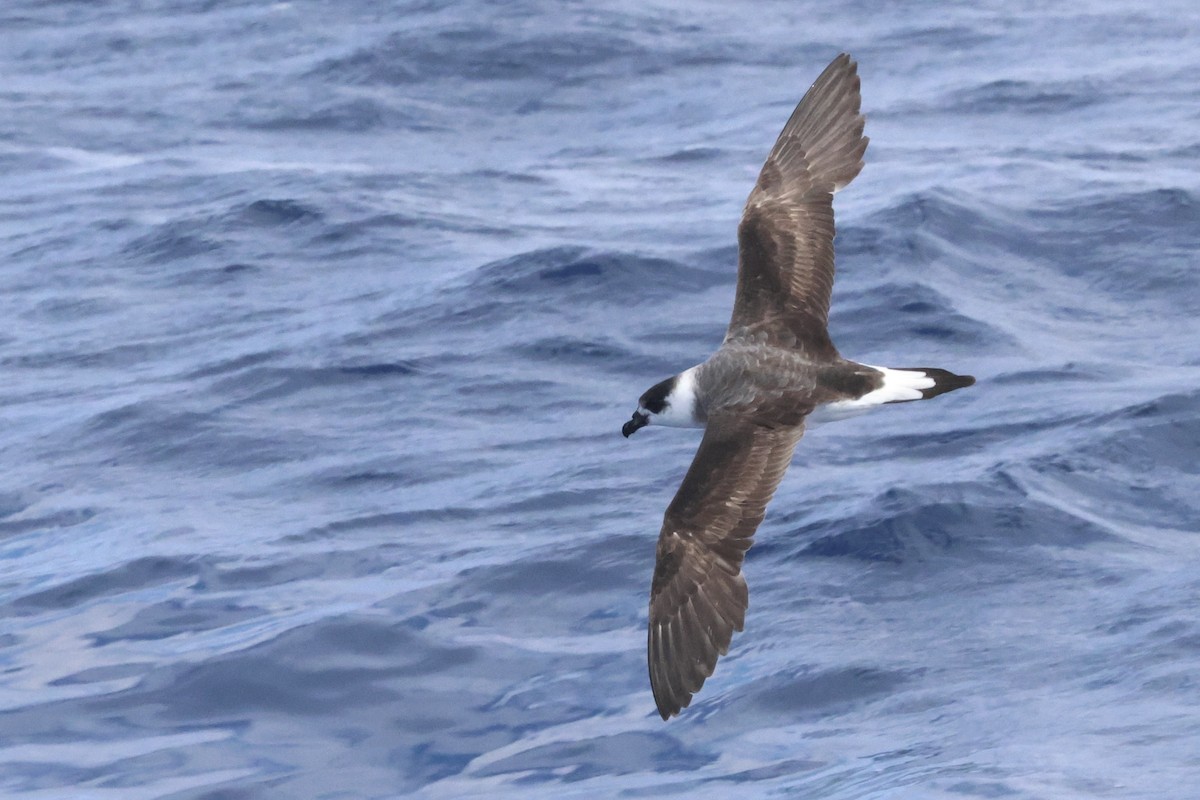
point(638, 421)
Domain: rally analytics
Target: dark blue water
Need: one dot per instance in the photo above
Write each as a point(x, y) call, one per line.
point(321, 319)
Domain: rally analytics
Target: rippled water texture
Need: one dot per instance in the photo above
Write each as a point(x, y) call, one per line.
point(321, 321)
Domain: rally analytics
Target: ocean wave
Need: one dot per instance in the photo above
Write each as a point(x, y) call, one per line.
point(477, 53)
point(257, 384)
point(1039, 97)
point(151, 432)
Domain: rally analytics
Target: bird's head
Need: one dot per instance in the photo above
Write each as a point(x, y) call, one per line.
point(671, 402)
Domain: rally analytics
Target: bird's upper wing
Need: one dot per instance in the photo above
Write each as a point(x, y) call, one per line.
point(698, 597)
point(785, 239)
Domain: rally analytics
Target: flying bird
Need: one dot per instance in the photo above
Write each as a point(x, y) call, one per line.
point(753, 396)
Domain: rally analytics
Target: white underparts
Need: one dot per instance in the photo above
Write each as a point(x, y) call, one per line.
point(899, 385)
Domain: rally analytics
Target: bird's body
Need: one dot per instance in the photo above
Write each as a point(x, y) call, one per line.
point(754, 395)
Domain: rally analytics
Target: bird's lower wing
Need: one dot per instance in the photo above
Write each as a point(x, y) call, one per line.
point(698, 597)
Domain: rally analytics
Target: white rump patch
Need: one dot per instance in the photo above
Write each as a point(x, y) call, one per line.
point(899, 385)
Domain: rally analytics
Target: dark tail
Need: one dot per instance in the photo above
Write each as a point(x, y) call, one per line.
point(943, 380)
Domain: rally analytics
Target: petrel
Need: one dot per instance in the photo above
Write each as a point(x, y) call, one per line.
point(776, 366)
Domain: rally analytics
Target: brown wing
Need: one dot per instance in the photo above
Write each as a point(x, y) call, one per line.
point(785, 239)
point(698, 597)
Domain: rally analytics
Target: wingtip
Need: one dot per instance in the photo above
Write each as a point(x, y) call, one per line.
point(667, 707)
point(846, 61)
point(668, 702)
point(822, 144)
point(670, 707)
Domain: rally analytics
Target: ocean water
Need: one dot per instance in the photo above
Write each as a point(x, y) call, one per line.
point(321, 320)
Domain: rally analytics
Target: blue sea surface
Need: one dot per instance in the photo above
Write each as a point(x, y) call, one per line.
point(321, 320)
